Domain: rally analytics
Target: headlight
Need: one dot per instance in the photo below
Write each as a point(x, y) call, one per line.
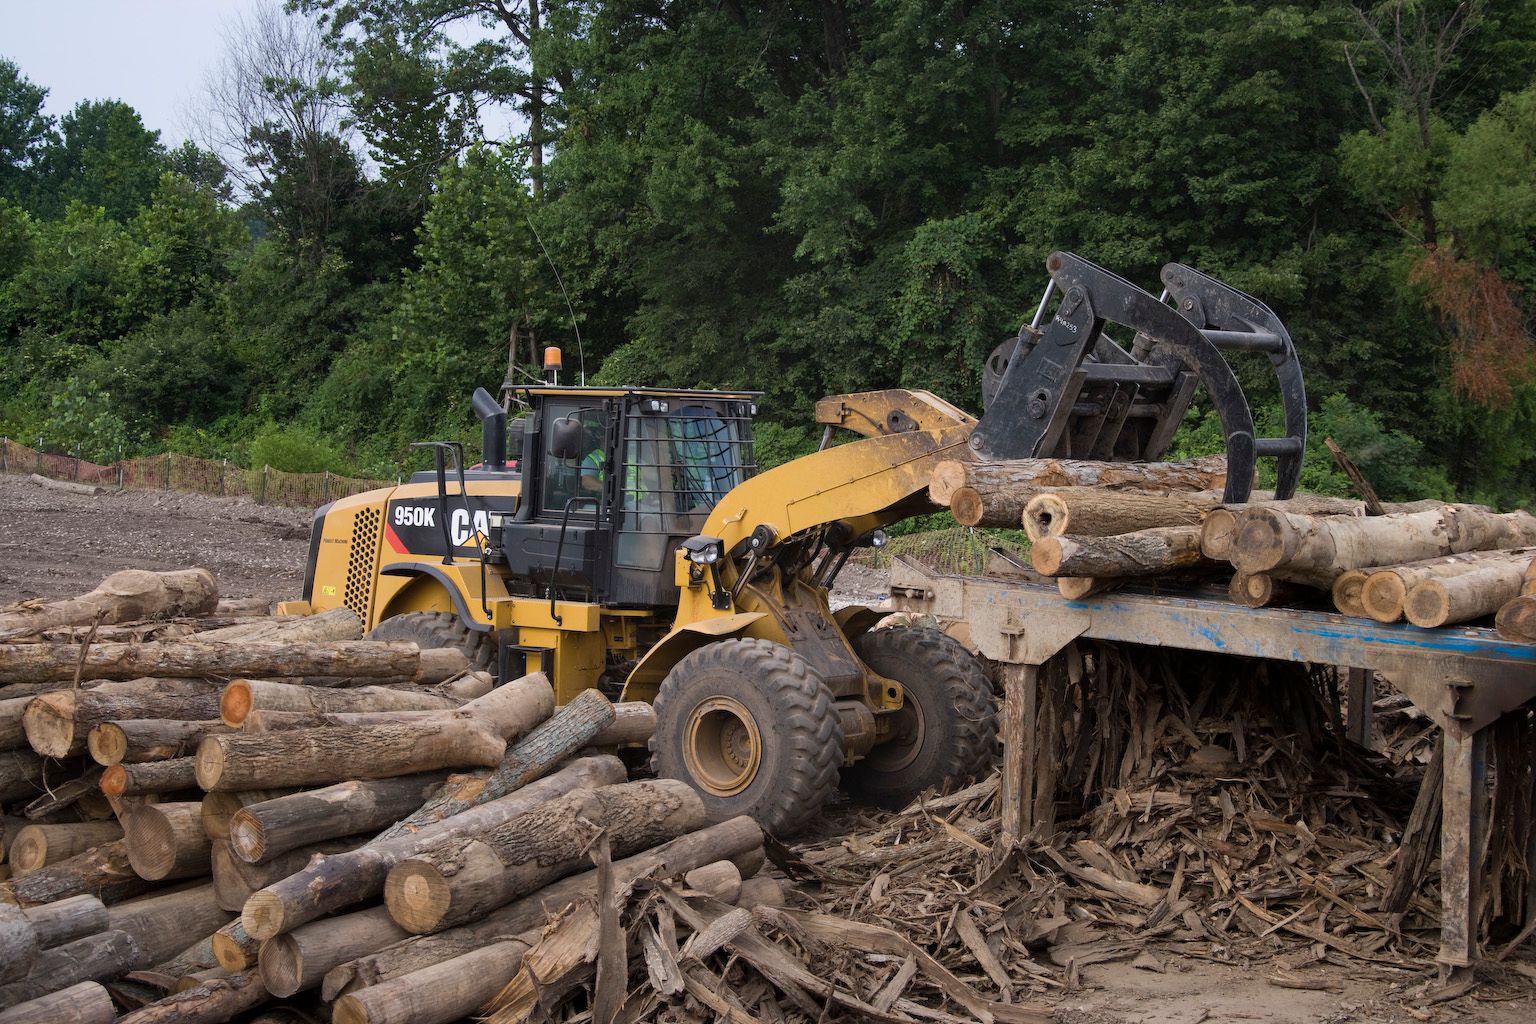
point(878, 539)
point(704, 550)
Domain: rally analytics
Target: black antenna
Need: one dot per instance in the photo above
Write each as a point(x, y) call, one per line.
point(581, 358)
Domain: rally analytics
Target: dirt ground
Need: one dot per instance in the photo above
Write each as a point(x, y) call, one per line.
point(54, 543)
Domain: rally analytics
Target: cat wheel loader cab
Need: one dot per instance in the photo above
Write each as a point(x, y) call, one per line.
point(636, 549)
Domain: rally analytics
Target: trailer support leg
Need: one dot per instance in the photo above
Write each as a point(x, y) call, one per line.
point(1463, 836)
point(1360, 693)
point(1021, 696)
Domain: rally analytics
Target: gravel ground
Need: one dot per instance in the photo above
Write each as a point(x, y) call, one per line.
point(56, 543)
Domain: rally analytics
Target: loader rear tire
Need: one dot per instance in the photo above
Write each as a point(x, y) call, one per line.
point(947, 730)
point(439, 629)
point(749, 726)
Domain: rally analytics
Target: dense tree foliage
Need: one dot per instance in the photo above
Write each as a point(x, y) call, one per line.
point(802, 196)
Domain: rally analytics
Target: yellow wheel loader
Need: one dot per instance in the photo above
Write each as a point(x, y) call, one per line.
point(633, 546)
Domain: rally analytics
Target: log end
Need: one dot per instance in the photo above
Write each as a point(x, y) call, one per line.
point(417, 895)
point(262, 915)
point(235, 703)
point(1047, 554)
point(349, 1009)
point(1255, 591)
point(282, 968)
point(1046, 515)
point(1075, 588)
point(1217, 533)
point(966, 505)
point(1264, 541)
point(1517, 620)
point(114, 780)
point(210, 763)
point(49, 722)
point(1428, 604)
point(232, 954)
point(1382, 596)
point(247, 837)
point(107, 743)
point(29, 851)
point(1347, 592)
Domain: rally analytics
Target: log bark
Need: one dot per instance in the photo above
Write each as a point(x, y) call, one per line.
point(148, 739)
point(1004, 508)
point(234, 880)
point(720, 879)
point(58, 724)
point(262, 831)
point(213, 1002)
point(84, 1003)
point(1466, 596)
point(166, 841)
point(336, 624)
point(512, 709)
point(12, 733)
point(199, 977)
point(760, 892)
point(435, 979)
point(103, 872)
point(22, 775)
point(1208, 473)
point(345, 879)
point(172, 776)
point(1271, 539)
point(1097, 512)
point(459, 878)
point(67, 920)
point(220, 808)
point(298, 960)
point(234, 948)
point(575, 726)
point(37, 846)
point(163, 923)
point(634, 721)
point(244, 696)
point(319, 757)
point(1386, 587)
point(96, 957)
point(1145, 553)
point(243, 606)
point(378, 659)
point(18, 943)
point(126, 596)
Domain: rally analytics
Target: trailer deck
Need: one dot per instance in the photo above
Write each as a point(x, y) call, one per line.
point(1463, 679)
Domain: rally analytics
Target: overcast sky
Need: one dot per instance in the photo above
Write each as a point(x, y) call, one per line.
point(151, 54)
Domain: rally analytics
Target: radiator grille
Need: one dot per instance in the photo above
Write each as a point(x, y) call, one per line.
point(362, 562)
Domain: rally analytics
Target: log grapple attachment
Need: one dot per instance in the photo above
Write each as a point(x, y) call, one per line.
point(1065, 388)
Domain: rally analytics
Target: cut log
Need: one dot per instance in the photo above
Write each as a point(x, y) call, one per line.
point(243, 606)
point(1260, 590)
point(513, 709)
point(319, 757)
point(163, 923)
point(234, 948)
point(262, 831)
point(69, 793)
point(337, 624)
point(1145, 553)
point(1075, 588)
point(196, 979)
point(84, 1003)
point(126, 596)
point(12, 733)
point(18, 943)
point(1348, 591)
point(220, 808)
point(575, 726)
point(22, 775)
point(459, 878)
point(972, 507)
point(172, 776)
point(260, 659)
point(59, 723)
point(1270, 539)
point(720, 879)
point(167, 841)
point(148, 739)
point(96, 957)
point(37, 846)
point(213, 1002)
point(634, 722)
point(243, 696)
point(345, 879)
point(103, 872)
point(1208, 473)
point(760, 892)
point(1386, 587)
point(298, 960)
point(439, 978)
point(67, 920)
point(1480, 592)
point(467, 686)
point(1096, 512)
point(234, 880)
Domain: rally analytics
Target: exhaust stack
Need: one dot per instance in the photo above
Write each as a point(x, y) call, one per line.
point(493, 430)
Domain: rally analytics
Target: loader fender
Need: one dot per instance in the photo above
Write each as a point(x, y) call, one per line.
point(430, 588)
point(646, 679)
point(856, 619)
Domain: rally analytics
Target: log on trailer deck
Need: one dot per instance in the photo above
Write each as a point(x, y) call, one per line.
point(1480, 592)
point(126, 596)
point(1517, 619)
point(1207, 473)
point(1144, 553)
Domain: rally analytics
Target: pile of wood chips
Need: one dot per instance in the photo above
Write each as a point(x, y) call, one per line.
point(1097, 525)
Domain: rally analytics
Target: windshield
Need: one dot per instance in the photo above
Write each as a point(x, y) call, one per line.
point(680, 465)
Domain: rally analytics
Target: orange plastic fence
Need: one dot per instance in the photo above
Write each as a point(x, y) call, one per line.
point(171, 472)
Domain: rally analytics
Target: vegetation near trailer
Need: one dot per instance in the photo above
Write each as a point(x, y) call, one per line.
point(809, 198)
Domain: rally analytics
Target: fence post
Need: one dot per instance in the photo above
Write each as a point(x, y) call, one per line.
point(38, 462)
point(5, 455)
point(222, 464)
point(119, 468)
point(261, 499)
point(167, 470)
point(77, 462)
point(325, 486)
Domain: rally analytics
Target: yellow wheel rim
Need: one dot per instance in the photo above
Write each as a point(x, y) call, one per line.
point(722, 747)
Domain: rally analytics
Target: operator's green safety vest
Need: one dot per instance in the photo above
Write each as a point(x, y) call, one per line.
point(596, 464)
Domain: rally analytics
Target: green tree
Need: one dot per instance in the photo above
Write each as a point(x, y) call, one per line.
point(24, 129)
point(104, 157)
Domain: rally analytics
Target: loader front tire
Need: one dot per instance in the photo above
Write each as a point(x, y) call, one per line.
point(945, 732)
point(748, 725)
point(439, 629)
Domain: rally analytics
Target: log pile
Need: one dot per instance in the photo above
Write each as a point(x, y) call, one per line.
point(1096, 526)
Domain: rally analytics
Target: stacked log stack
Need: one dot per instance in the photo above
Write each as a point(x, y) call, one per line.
point(362, 824)
point(1096, 526)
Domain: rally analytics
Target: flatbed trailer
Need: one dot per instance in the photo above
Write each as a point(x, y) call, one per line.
point(1462, 678)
